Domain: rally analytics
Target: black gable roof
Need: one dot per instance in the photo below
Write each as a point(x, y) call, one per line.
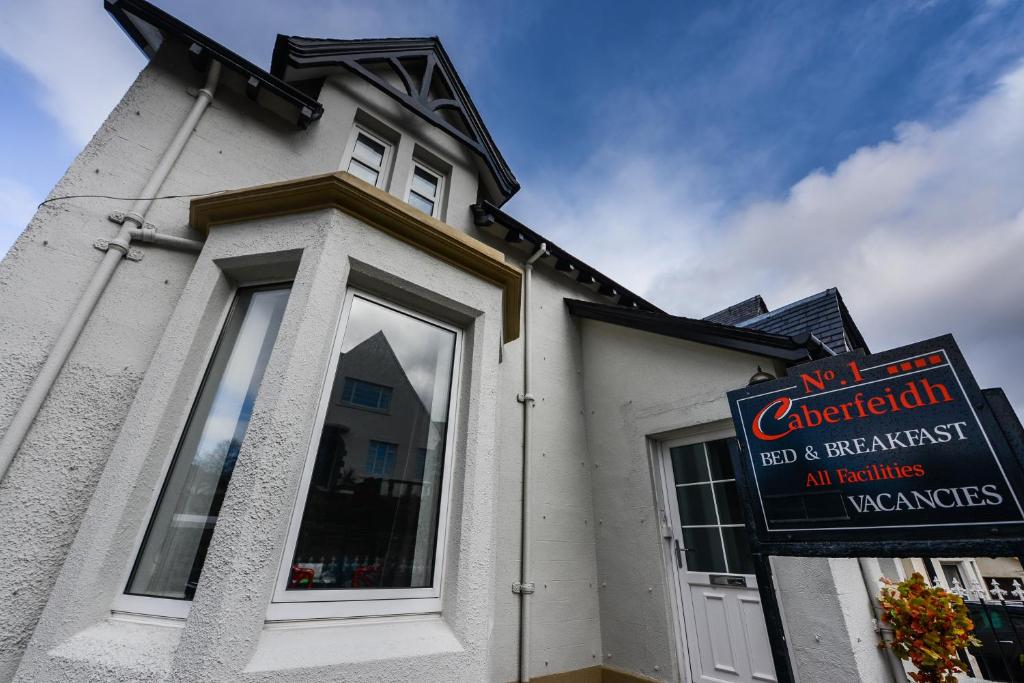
point(416, 72)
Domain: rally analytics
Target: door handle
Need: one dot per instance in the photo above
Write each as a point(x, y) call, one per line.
point(679, 552)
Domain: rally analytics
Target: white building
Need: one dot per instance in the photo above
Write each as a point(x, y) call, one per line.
point(199, 482)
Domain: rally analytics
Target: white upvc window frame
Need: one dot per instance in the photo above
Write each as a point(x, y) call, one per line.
point(441, 184)
point(148, 605)
point(385, 164)
point(357, 602)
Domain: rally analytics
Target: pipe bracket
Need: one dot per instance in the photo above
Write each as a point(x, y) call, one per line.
point(524, 398)
point(129, 253)
point(524, 588)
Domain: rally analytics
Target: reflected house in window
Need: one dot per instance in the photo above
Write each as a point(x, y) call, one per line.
point(368, 485)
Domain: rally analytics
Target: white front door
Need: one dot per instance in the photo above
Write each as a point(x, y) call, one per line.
point(726, 638)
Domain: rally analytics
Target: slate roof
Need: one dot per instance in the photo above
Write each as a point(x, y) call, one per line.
point(823, 314)
point(737, 313)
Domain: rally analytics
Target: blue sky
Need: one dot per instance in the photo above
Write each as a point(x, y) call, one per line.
point(700, 152)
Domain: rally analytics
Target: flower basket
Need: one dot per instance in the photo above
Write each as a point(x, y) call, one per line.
point(929, 626)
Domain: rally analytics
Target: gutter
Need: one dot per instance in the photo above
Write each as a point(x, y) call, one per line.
point(486, 214)
point(133, 227)
point(150, 27)
point(792, 350)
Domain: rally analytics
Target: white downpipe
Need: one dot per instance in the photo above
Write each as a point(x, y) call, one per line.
point(118, 247)
point(527, 537)
point(867, 567)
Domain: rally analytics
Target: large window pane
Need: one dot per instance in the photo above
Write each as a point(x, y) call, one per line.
point(371, 514)
point(173, 551)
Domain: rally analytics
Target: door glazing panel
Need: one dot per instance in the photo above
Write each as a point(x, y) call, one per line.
point(709, 509)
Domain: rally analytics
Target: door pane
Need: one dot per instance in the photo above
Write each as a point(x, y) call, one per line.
point(689, 464)
point(703, 550)
point(696, 505)
point(371, 514)
point(728, 498)
point(720, 460)
point(175, 546)
point(737, 550)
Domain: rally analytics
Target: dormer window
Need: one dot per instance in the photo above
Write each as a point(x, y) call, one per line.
point(425, 187)
point(369, 157)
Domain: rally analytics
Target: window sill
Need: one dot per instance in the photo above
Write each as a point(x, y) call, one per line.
point(304, 612)
point(325, 643)
point(141, 645)
point(146, 606)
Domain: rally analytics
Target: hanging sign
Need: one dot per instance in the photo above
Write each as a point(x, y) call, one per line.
point(896, 446)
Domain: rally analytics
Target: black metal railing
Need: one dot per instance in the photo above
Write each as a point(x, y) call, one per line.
point(999, 625)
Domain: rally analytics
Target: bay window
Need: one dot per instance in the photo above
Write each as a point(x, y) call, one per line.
point(368, 531)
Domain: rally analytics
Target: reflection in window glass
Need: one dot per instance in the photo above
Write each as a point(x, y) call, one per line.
point(172, 553)
point(366, 394)
point(371, 515)
point(380, 461)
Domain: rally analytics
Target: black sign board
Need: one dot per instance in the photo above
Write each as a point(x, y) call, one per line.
point(889, 454)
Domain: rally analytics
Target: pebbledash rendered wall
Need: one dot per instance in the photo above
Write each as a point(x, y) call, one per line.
point(642, 387)
point(78, 491)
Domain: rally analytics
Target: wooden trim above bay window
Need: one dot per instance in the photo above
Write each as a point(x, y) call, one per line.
point(345, 192)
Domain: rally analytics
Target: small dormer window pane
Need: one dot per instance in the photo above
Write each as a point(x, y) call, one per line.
point(363, 172)
point(424, 183)
point(369, 151)
point(425, 190)
point(368, 159)
point(421, 203)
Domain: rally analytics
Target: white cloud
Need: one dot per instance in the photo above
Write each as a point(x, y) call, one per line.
point(923, 234)
point(80, 59)
point(17, 206)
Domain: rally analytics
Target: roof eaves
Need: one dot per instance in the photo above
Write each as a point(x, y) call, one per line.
point(202, 49)
point(724, 336)
point(486, 214)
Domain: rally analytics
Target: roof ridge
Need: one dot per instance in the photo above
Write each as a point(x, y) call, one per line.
point(788, 306)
